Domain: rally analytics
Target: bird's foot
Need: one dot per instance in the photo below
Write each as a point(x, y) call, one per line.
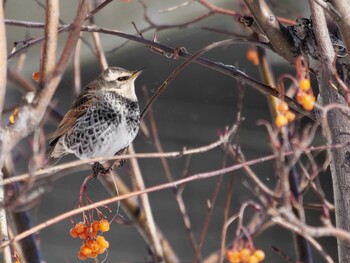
point(120, 163)
point(98, 168)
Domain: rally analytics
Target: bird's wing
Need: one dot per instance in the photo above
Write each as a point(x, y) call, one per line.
point(79, 108)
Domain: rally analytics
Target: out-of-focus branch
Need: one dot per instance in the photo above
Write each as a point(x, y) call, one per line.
point(178, 192)
point(3, 57)
point(199, 176)
point(48, 59)
point(132, 208)
point(342, 18)
point(6, 256)
point(101, 58)
point(30, 115)
point(158, 253)
point(274, 31)
point(28, 248)
point(220, 67)
point(76, 68)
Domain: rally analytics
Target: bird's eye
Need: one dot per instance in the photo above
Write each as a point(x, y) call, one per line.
point(123, 78)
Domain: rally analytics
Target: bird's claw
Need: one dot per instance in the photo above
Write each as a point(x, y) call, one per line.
point(98, 169)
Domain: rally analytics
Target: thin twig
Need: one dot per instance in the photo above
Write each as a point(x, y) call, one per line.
point(220, 67)
point(167, 171)
point(195, 177)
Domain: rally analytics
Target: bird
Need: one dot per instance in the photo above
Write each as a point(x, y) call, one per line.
point(103, 120)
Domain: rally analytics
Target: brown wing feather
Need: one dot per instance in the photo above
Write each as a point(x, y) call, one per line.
point(79, 108)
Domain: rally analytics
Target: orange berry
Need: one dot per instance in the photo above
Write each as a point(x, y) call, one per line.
point(252, 56)
point(300, 95)
point(101, 251)
point(81, 256)
point(85, 250)
point(100, 239)
point(308, 102)
point(83, 236)
point(233, 256)
point(93, 255)
point(73, 233)
point(103, 225)
point(253, 259)
point(89, 243)
point(304, 84)
point(290, 116)
point(105, 244)
point(36, 76)
point(90, 232)
point(79, 227)
point(95, 247)
point(259, 254)
point(245, 254)
point(17, 261)
point(281, 120)
point(282, 107)
point(95, 225)
point(93, 234)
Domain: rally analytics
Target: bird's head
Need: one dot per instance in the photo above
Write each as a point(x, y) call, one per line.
point(120, 80)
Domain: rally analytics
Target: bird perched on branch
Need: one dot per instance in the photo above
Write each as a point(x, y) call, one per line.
point(103, 120)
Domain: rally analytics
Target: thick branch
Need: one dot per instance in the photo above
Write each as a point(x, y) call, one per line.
point(50, 44)
point(338, 125)
point(274, 31)
point(342, 17)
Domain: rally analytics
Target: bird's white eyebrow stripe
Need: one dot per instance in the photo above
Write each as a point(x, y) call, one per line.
point(112, 75)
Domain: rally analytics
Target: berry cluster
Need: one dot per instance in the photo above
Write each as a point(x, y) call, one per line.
point(245, 255)
point(285, 115)
point(93, 244)
point(305, 97)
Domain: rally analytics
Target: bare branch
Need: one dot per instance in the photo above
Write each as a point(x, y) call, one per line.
point(50, 45)
point(3, 59)
point(274, 31)
point(3, 75)
point(195, 177)
point(342, 17)
point(131, 207)
point(156, 247)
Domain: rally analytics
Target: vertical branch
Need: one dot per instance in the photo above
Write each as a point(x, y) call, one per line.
point(97, 42)
point(3, 75)
point(3, 57)
point(50, 45)
point(178, 192)
point(338, 124)
point(76, 68)
point(116, 186)
point(50, 87)
point(100, 55)
point(157, 248)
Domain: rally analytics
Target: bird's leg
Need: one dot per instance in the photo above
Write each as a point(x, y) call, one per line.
point(98, 168)
point(120, 162)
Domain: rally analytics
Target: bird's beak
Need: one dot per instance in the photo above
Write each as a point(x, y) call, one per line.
point(137, 73)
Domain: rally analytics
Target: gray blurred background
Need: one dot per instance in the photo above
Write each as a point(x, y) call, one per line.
point(197, 105)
